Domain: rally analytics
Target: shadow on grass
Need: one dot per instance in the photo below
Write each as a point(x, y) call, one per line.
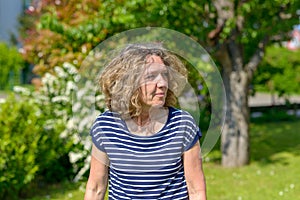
point(272, 142)
point(62, 190)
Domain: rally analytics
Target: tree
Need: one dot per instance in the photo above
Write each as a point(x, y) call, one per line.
point(243, 30)
point(234, 32)
point(54, 32)
point(279, 72)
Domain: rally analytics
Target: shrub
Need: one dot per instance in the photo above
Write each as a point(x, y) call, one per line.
point(30, 148)
point(20, 138)
point(44, 134)
point(11, 63)
point(69, 109)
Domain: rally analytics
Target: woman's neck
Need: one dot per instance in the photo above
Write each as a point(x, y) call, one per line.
point(150, 114)
point(149, 122)
point(143, 119)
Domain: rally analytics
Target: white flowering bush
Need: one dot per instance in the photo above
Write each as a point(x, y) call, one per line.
point(70, 103)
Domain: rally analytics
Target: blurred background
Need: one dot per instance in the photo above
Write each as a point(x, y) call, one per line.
point(45, 117)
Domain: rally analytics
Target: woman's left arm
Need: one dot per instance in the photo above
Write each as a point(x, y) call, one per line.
point(194, 174)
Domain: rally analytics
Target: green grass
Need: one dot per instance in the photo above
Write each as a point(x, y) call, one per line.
point(274, 171)
point(61, 191)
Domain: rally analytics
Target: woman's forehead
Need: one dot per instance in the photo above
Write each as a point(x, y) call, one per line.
point(154, 63)
point(155, 67)
point(154, 59)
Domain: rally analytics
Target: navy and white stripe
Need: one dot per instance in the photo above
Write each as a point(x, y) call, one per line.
point(146, 167)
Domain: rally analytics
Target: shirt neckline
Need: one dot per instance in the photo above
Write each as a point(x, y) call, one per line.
point(128, 132)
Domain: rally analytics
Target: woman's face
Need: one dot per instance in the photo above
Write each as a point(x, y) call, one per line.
point(154, 82)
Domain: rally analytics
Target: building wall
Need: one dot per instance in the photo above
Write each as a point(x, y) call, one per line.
point(9, 13)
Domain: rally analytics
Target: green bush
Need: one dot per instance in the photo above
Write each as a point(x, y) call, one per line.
point(19, 142)
point(53, 159)
point(11, 63)
point(31, 152)
point(274, 115)
point(67, 102)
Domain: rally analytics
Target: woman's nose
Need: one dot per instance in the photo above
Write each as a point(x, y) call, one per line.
point(161, 81)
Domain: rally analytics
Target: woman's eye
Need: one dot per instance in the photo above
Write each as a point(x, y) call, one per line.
point(165, 75)
point(150, 77)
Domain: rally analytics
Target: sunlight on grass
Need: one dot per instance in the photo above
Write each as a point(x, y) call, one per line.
point(274, 171)
point(268, 182)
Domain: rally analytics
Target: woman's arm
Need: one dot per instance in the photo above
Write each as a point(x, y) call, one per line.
point(98, 178)
point(194, 174)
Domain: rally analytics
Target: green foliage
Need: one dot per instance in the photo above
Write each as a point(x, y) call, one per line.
point(20, 139)
point(274, 115)
point(11, 63)
point(200, 88)
point(279, 72)
point(45, 139)
point(66, 101)
point(67, 31)
point(63, 31)
point(30, 149)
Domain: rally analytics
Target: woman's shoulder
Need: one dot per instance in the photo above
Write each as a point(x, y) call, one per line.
point(107, 117)
point(179, 112)
point(180, 116)
point(108, 114)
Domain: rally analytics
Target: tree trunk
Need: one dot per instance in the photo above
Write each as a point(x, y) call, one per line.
point(235, 135)
point(235, 140)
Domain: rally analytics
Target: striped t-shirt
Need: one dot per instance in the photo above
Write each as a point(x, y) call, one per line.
point(146, 167)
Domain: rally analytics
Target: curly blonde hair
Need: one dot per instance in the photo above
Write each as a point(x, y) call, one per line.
point(119, 80)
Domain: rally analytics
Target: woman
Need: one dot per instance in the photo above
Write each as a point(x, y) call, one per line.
point(143, 146)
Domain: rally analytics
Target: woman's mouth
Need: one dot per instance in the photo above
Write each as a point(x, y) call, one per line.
point(160, 94)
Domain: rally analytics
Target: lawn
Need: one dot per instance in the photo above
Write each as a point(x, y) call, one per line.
point(274, 172)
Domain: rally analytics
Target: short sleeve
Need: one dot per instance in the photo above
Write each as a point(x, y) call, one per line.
point(97, 135)
point(192, 132)
point(190, 142)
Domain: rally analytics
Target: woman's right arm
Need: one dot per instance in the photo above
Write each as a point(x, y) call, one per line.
point(97, 183)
